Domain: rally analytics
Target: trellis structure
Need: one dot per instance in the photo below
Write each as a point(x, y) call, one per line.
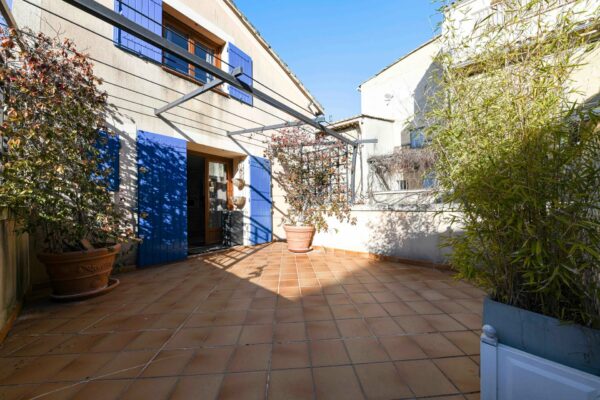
point(331, 156)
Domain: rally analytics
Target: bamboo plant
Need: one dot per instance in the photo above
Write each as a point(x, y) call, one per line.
point(518, 150)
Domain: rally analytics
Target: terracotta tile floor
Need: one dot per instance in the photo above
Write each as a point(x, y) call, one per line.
point(252, 324)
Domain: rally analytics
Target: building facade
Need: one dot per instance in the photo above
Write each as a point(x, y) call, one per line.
point(397, 214)
point(187, 185)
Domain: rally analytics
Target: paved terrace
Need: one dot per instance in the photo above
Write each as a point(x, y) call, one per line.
point(251, 324)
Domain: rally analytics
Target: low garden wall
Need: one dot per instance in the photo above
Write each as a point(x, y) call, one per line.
point(406, 233)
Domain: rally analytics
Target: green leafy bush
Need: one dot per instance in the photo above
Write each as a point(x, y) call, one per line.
point(520, 155)
point(50, 178)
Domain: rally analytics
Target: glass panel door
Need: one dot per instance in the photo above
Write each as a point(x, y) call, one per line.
point(217, 200)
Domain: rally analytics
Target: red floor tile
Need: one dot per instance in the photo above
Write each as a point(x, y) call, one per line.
point(253, 322)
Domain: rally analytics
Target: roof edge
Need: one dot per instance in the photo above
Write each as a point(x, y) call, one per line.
point(433, 39)
point(355, 120)
point(274, 54)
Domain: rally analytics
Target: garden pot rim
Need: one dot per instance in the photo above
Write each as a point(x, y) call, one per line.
point(560, 322)
point(106, 248)
point(299, 226)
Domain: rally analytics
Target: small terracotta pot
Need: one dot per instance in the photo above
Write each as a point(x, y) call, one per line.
point(239, 183)
point(299, 238)
point(80, 272)
point(239, 201)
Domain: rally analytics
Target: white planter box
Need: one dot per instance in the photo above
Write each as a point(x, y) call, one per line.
point(529, 356)
point(511, 374)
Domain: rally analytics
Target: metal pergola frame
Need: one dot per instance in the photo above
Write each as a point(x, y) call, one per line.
point(202, 89)
point(8, 17)
point(121, 22)
point(283, 125)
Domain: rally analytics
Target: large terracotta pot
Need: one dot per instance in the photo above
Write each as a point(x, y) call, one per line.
point(299, 238)
point(80, 273)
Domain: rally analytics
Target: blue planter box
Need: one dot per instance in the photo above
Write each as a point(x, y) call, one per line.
point(571, 345)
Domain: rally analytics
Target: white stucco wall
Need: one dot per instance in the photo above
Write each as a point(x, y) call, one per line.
point(399, 93)
point(394, 102)
point(408, 234)
point(204, 121)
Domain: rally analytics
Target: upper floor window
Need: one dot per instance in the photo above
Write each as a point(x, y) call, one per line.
point(186, 38)
point(417, 139)
point(175, 27)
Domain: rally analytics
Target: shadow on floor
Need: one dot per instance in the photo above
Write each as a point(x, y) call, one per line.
point(253, 323)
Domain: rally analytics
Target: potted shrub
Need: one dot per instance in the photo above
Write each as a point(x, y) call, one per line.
point(310, 170)
point(53, 181)
point(518, 153)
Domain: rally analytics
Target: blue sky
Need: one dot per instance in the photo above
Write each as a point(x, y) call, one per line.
point(334, 45)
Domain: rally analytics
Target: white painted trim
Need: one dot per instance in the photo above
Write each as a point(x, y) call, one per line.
point(509, 374)
point(488, 369)
point(408, 191)
point(199, 19)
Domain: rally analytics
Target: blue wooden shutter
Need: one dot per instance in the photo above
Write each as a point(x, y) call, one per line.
point(108, 146)
point(417, 139)
point(162, 198)
point(261, 219)
point(147, 13)
point(2, 21)
point(429, 180)
point(237, 58)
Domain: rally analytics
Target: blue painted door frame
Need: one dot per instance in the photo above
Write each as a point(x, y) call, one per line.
point(162, 198)
point(261, 217)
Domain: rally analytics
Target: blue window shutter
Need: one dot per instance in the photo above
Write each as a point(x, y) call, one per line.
point(237, 58)
point(147, 13)
point(162, 198)
point(429, 181)
point(108, 146)
point(261, 218)
point(2, 21)
point(417, 139)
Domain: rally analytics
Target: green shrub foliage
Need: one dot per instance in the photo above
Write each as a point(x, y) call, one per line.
point(519, 152)
point(50, 178)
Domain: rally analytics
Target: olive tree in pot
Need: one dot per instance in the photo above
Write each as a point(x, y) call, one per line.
point(52, 180)
point(520, 156)
point(309, 168)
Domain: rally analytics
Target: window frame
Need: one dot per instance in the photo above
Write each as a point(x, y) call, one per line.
point(194, 38)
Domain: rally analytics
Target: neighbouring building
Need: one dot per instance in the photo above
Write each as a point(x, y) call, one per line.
point(396, 213)
point(393, 108)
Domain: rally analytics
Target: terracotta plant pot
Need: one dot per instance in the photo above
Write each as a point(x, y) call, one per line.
point(239, 202)
point(80, 273)
point(239, 183)
point(299, 238)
